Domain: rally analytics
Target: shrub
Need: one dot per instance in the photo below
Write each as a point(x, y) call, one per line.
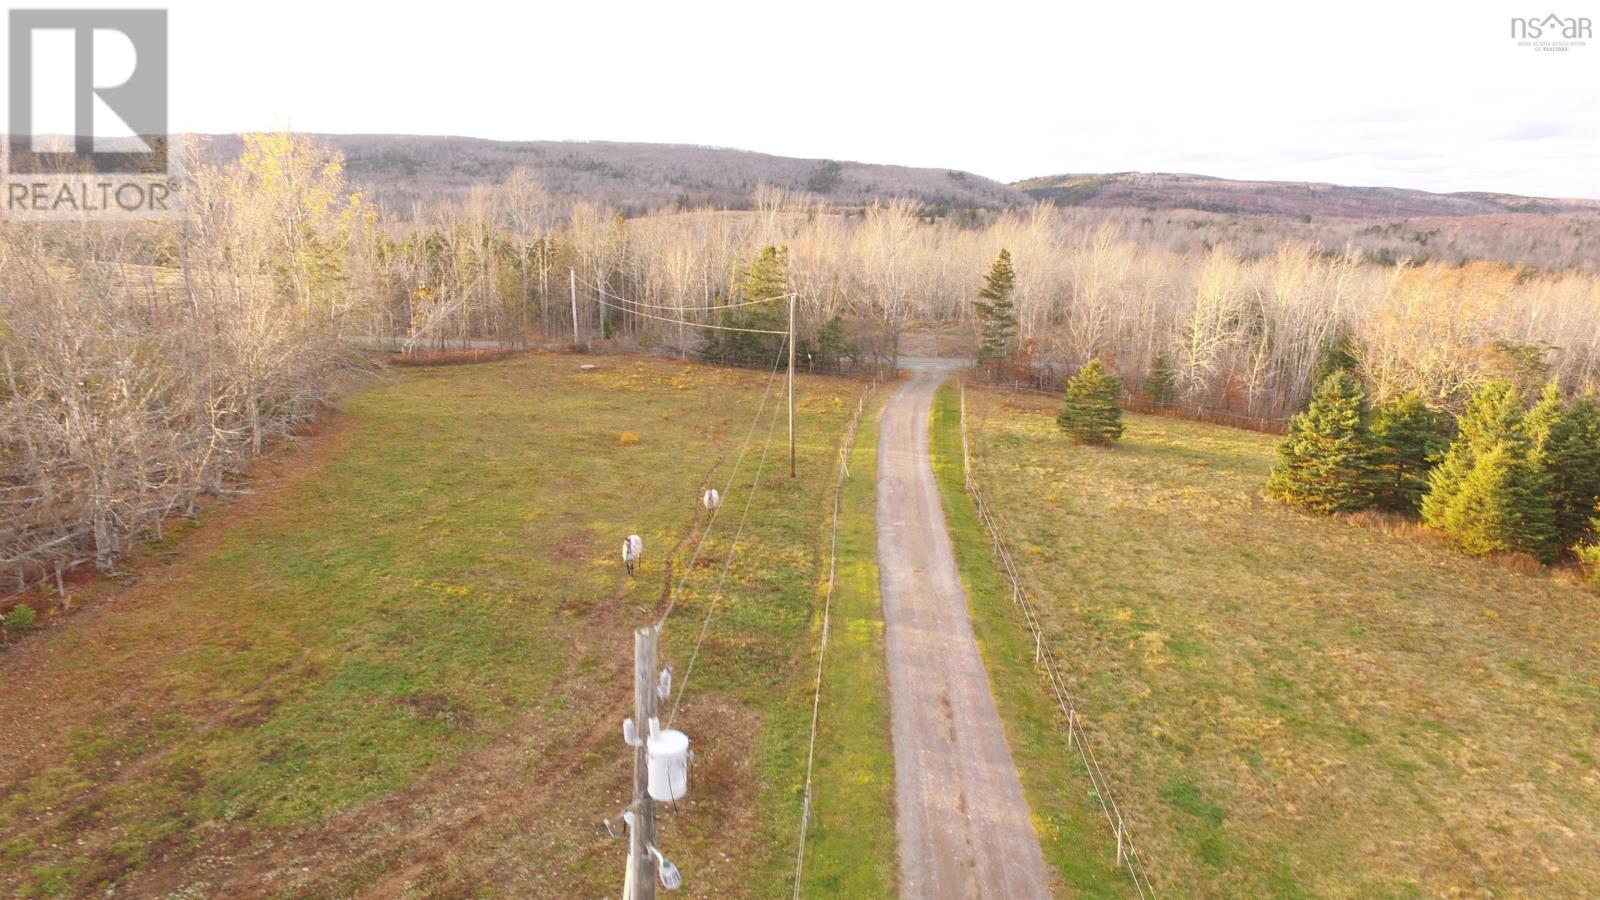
point(21, 618)
point(1328, 463)
point(1409, 438)
point(1589, 557)
point(628, 438)
point(1091, 414)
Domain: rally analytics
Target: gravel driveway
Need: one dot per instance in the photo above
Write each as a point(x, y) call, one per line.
point(962, 822)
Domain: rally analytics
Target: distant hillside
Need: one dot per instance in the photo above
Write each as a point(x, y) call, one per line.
point(1278, 198)
point(402, 169)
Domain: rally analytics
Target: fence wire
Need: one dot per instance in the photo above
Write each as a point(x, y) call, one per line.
point(1044, 659)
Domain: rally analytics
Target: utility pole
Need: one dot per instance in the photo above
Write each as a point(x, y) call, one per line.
point(641, 862)
point(792, 297)
point(573, 273)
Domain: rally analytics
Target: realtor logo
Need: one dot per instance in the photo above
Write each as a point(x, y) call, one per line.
point(1552, 33)
point(114, 160)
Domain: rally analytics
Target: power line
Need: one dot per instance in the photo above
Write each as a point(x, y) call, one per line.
point(601, 295)
point(727, 563)
point(822, 649)
point(727, 490)
point(788, 333)
point(625, 309)
point(642, 825)
point(720, 306)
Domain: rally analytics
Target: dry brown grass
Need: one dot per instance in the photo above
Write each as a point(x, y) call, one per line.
point(1291, 705)
point(447, 357)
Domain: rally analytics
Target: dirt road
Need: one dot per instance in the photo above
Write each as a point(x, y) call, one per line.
point(963, 824)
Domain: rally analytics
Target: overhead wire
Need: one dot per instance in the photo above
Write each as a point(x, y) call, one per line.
point(727, 563)
point(727, 490)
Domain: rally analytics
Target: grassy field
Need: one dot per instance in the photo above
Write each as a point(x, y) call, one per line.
point(851, 850)
point(402, 664)
point(1077, 842)
point(1289, 705)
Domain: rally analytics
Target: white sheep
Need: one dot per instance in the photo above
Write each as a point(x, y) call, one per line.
point(632, 549)
point(712, 499)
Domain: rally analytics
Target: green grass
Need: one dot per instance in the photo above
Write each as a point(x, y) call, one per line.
point(851, 850)
point(1074, 835)
point(410, 652)
point(1290, 705)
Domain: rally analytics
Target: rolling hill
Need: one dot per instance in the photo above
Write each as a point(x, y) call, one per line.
point(403, 169)
point(1155, 190)
point(408, 172)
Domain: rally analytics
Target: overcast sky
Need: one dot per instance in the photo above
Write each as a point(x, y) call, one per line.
point(1427, 95)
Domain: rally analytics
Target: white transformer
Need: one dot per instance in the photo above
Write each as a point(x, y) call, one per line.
point(668, 753)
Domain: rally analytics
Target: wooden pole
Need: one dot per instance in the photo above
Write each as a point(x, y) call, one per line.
point(791, 384)
point(573, 273)
point(643, 836)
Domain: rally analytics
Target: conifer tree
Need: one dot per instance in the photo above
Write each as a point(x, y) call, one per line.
point(1091, 414)
point(1546, 411)
point(1327, 463)
point(1491, 494)
point(1338, 354)
point(1162, 386)
point(1503, 505)
point(1410, 438)
point(767, 277)
point(1567, 447)
point(997, 315)
point(1493, 414)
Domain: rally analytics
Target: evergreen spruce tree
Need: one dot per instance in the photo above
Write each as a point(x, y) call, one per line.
point(997, 315)
point(832, 346)
point(1546, 411)
point(767, 277)
point(1491, 494)
point(1337, 355)
point(1162, 385)
point(1567, 447)
point(1327, 463)
point(1492, 415)
point(1410, 438)
point(1503, 505)
point(1091, 414)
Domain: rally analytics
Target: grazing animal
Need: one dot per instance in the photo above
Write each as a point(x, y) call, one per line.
point(712, 499)
point(632, 549)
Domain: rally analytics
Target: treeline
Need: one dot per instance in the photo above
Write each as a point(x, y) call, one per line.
point(1505, 478)
point(1244, 334)
point(144, 365)
point(140, 367)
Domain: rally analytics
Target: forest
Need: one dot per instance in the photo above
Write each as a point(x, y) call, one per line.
point(142, 368)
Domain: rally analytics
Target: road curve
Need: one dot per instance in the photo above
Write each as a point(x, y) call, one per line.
point(962, 822)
